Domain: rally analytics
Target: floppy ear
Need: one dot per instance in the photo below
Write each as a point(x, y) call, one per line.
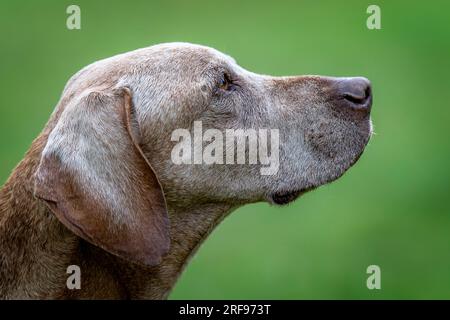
point(95, 178)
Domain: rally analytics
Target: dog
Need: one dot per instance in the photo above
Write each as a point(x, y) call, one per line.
point(98, 188)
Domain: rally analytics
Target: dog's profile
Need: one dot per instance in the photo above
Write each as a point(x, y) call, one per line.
point(98, 188)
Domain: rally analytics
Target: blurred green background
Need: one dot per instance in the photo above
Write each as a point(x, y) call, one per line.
point(392, 209)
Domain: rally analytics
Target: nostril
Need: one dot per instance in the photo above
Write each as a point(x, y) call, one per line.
point(355, 99)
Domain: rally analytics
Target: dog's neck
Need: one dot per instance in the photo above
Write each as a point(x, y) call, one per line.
point(36, 249)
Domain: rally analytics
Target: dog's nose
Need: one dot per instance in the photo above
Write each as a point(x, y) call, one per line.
point(356, 92)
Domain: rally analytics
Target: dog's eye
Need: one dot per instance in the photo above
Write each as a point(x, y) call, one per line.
point(226, 83)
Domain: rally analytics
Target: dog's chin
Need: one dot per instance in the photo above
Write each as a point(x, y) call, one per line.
point(285, 197)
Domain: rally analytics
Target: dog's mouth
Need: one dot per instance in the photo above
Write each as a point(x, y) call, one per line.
point(285, 197)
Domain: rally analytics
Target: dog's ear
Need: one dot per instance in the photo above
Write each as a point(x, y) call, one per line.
point(95, 178)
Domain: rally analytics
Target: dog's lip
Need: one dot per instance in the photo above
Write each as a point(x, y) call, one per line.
point(288, 196)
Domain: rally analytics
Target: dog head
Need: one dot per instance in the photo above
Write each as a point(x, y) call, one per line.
point(179, 125)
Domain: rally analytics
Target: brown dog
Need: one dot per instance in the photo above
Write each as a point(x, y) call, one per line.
point(100, 189)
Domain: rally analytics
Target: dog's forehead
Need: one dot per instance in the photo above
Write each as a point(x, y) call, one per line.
point(191, 52)
point(131, 67)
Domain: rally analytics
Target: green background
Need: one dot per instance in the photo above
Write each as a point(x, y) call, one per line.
point(391, 209)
